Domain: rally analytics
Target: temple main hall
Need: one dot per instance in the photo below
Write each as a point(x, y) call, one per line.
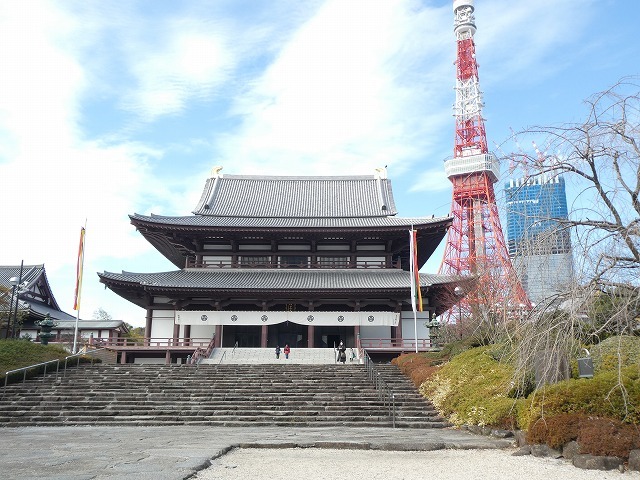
point(274, 260)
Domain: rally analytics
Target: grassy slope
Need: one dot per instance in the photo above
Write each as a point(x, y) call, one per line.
point(19, 353)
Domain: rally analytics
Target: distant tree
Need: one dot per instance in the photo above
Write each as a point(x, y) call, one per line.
point(134, 333)
point(602, 157)
point(101, 314)
point(5, 301)
point(600, 160)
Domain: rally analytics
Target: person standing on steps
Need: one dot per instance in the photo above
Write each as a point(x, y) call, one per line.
point(342, 352)
point(277, 351)
point(286, 351)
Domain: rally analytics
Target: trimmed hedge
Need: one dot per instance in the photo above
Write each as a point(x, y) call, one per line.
point(418, 367)
point(609, 394)
point(595, 435)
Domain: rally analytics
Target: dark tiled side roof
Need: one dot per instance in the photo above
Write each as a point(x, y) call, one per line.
point(277, 279)
point(296, 197)
point(41, 310)
point(31, 274)
point(289, 223)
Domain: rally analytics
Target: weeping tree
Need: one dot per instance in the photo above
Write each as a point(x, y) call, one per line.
point(599, 158)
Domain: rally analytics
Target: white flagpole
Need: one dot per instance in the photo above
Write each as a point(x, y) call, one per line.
point(413, 286)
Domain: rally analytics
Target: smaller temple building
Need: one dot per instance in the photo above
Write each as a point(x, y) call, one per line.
point(26, 299)
point(274, 260)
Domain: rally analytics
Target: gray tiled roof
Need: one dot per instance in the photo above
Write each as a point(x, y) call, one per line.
point(288, 223)
point(31, 275)
point(43, 310)
point(277, 279)
point(89, 324)
point(296, 197)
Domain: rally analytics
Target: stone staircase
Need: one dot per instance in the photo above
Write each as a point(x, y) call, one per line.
point(262, 356)
point(292, 395)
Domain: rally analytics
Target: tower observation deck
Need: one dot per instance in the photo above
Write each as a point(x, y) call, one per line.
point(475, 242)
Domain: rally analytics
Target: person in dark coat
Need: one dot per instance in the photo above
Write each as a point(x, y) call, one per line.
point(278, 351)
point(342, 352)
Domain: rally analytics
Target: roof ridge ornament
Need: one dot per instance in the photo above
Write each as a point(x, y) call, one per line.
point(215, 171)
point(381, 173)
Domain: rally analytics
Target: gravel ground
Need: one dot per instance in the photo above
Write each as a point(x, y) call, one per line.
point(320, 464)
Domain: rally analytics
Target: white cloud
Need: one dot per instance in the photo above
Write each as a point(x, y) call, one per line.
point(188, 61)
point(340, 94)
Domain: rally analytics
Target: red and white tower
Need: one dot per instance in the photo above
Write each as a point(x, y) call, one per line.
point(475, 243)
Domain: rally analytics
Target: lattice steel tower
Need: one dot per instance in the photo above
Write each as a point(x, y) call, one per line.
point(475, 243)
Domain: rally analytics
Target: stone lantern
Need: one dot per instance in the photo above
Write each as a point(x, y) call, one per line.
point(45, 329)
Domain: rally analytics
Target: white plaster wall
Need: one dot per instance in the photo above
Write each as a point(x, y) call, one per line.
point(202, 331)
point(162, 324)
point(375, 332)
point(408, 325)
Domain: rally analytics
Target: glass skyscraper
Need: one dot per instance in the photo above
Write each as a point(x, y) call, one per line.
point(538, 242)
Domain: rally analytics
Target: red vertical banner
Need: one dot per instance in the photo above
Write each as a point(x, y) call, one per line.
point(79, 266)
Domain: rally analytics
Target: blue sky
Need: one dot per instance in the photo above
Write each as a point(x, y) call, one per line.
point(111, 108)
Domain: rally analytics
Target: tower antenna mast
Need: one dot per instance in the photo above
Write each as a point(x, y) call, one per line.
point(475, 242)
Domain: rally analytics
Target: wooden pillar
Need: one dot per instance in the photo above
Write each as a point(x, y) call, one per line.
point(397, 335)
point(187, 334)
point(167, 358)
point(310, 335)
point(217, 343)
point(310, 328)
point(147, 326)
point(264, 335)
point(123, 357)
point(176, 333)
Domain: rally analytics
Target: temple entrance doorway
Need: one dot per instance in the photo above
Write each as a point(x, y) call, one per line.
point(288, 333)
point(241, 336)
point(329, 337)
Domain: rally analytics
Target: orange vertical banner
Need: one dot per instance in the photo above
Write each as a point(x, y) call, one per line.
point(79, 267)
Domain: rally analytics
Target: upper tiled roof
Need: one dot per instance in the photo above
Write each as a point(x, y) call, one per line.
point(277, 279)
point(289, 223)
point(296, 197)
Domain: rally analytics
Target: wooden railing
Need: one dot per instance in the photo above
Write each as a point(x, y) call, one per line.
point(316, 264)
point(152, 343)
point(200, 353)
point(395, 343)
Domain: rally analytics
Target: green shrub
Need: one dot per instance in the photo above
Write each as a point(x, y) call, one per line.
point(473, 389)
point(614, 351)
point(604, 395)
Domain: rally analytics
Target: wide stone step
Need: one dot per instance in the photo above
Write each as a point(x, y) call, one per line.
point(288, 395)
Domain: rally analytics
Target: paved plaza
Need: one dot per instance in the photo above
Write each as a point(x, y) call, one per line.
point(172, 453)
